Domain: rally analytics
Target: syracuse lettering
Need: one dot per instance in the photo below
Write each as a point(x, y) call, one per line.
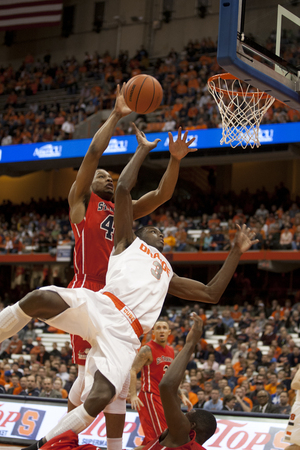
point(164, 266)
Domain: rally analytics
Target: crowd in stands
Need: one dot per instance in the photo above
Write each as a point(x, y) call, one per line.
point(40, 226)
point(183, 76)
point(245, 360)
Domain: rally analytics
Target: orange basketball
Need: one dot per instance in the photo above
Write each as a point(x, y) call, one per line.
point(143, 94)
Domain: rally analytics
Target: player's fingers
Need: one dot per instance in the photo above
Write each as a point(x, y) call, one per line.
point(238, 227)
point(118, 89)
point(185, 136)
point(190, 142)
point(171, 140)
point(157, 141)
point(179, 133)
point(136, 130)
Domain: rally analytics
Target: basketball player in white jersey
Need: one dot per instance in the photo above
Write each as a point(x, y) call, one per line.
point(292, 432)
point(113, 319)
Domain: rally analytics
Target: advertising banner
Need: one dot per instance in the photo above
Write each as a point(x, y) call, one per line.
point(23, 420)
point(210, 138)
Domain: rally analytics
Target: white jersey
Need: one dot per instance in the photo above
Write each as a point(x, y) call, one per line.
point(140, 278)
point(292, 432)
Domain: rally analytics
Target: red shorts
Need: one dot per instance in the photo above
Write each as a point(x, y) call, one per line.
point(79, 346)
point(152, 416)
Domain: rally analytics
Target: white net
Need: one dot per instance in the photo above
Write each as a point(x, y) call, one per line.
point(241, 107)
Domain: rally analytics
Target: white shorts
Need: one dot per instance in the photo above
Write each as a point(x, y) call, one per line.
point(292, 431)
point(94, 317)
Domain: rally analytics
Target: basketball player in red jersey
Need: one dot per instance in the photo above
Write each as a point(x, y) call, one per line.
point(152, 360)
point(91, 216)
point(185, 431)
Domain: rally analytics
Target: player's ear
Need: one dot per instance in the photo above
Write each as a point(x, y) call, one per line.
point(193, 425)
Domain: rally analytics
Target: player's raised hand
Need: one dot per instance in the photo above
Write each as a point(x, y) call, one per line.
point(186, 402)
point(244, 238)
point(136, 403)
point(142, 140)
point(195, 332)
point(121, 107)
point(180, 148)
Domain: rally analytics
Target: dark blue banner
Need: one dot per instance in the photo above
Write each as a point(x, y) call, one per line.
point(269, 134)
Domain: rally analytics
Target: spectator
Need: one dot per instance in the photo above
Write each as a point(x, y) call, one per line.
point(15, 346)
point(15, 389)
point(284, 407)
point(63, 373)
point(286, 238)
point(229, 402)
point(264, 404)
point(55, 351)
point(31, 388)
point(215, 404)
point(268, 335)
point(242, 403)
point(23, 385)
point(48, 391)
point(201, 399)
point(58, 386)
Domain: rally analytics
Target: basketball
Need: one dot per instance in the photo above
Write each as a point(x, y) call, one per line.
point(143, 94)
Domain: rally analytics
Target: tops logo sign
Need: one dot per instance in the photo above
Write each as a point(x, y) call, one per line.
point(48, 151)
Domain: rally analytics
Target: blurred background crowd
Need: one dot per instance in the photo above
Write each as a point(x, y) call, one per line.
point(90, 86)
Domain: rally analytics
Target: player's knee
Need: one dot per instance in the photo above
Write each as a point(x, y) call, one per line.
point(102, 391)
point(32, 303)
point(43, 304)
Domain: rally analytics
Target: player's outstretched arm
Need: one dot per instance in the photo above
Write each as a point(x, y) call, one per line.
point(123, 202)
point(81, 186)
point(178, 424)
point(212, 292)
point(143, 358)
point(152, 200)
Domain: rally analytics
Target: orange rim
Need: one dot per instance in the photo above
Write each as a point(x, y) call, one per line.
point(227, 76)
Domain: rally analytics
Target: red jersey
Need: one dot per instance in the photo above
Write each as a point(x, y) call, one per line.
point(94, 240)
point(67, 441)
point(152, 374)
point(192, 445)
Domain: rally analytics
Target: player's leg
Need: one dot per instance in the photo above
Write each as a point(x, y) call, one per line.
point(115, 414)
point(76, 390)
point(151, 416)
point(42, 304)
point(81, 417)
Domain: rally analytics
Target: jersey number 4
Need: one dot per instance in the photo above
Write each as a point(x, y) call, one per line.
point(108, 226)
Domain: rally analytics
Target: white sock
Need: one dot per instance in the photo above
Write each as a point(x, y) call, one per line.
point(12, 320)
point(76, 420)
point(114, 443)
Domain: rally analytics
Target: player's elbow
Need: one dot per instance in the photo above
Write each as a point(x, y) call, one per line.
point(122, 188)
point(166, 386)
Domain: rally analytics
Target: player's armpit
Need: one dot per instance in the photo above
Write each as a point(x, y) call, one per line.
point(191, 290)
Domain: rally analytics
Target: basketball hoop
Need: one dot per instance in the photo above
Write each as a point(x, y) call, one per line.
point(241, 107)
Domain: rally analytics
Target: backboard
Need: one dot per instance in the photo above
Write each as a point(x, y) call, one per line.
point(259, 43)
